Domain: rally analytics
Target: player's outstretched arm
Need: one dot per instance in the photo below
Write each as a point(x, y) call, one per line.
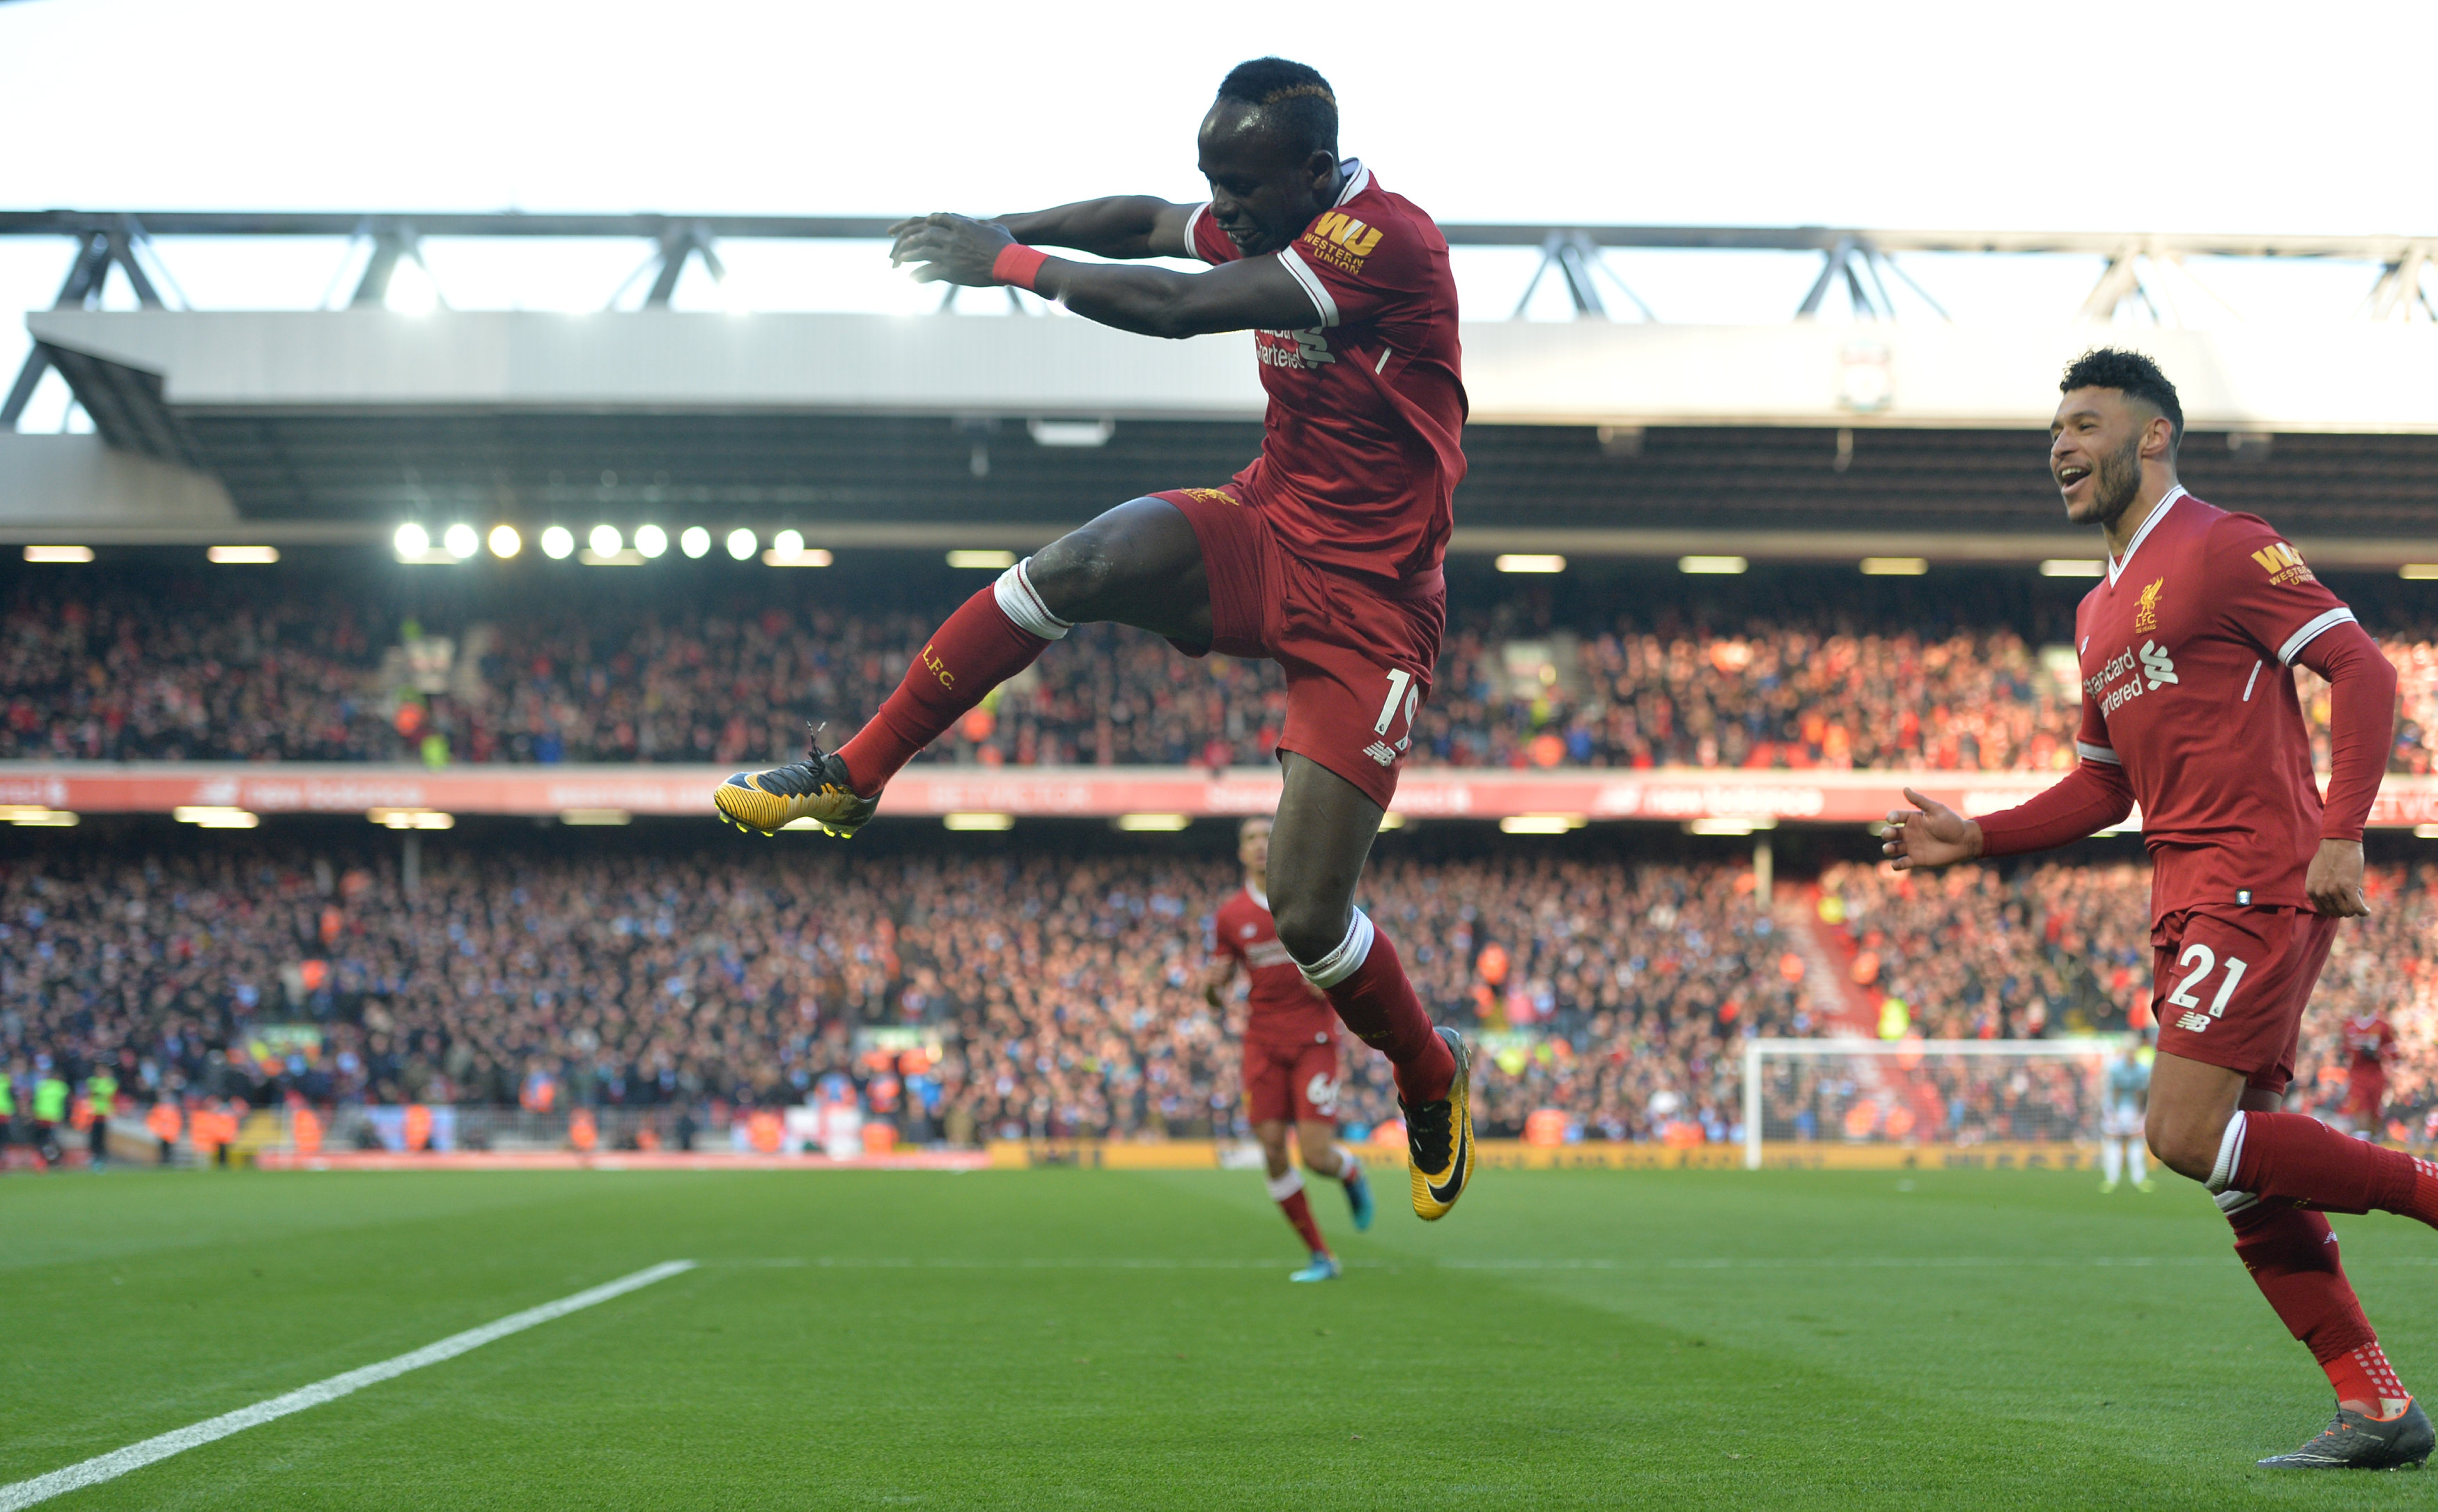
point(1122, 225)
point(1254, 293)
point(1929, 834)
point(2087, 801)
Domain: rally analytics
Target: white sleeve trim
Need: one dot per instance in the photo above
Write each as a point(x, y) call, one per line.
point(2097, 754)
point(1301, 273)
point(2294, 646)
point(1192, 250)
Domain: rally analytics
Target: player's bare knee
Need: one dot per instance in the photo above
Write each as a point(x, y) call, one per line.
point(2184, 1143)
point(1318, 1147)
point(1070, 573)
point(1309, 929)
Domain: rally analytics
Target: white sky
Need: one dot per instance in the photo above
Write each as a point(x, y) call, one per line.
point(2125, 117)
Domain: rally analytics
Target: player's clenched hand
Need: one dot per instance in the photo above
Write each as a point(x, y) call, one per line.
point(948, 249)
point(2334, 883)
point(1929, 834)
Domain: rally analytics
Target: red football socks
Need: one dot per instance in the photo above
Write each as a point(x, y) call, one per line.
point(2292, 1257)
point(2296, 1158)
point(1368, 989)
point(979, 648)
point(1288, 1190)
point(2364, 1376)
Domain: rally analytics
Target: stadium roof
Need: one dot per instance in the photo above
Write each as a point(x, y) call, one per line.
point(1810, 438)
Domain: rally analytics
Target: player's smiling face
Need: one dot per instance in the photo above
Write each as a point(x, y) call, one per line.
point(2095, 453)
point(1262, 193)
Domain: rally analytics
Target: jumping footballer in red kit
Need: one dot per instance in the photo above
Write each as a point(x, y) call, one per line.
point(1322, 555)
point(1291, 1071)
point(2188, 709)
point(2370, 1044)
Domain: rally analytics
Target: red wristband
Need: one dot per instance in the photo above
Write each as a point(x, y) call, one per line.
point(1018, 264)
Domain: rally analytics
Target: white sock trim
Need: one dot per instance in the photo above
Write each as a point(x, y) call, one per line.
point(1283, 1188)
point(1020, 601)
point(1341, 963)
point(1348, 1166)
point(2229, 1153)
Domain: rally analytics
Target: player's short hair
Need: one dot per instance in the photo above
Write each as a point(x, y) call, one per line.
point(1292, 97)
point(1251, 819)
point(2134, 375)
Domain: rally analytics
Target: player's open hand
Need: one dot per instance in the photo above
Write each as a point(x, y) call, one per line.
point(2334, 883)
point(950, 249)
point(1929, 834)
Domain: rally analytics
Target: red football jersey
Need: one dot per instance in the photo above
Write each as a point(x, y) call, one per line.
point(2184, 649)
point(1362, 446)
point(1285, 1008)
point(2370, 1041)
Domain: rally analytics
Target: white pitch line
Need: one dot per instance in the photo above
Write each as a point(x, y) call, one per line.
point(136, 1456)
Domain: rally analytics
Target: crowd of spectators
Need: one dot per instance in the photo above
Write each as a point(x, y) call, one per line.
point(1037, 994)
point(201, 670)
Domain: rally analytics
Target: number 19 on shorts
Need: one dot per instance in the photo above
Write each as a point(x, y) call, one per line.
point(2197, 962)
point(1396, 709)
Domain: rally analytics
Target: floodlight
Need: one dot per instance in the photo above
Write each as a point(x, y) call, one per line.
point(741, 543)
point(461, 541)
point(505, 542)
point(413, 540)
point(605, 540)
point(651, 540)
point(696, 541)
point(789, 544)
point(559, 543)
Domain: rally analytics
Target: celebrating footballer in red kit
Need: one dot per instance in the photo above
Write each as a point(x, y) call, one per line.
point(1322, 555)
point(2189, 710)
point(2370, 1045)
point(1291, 1070)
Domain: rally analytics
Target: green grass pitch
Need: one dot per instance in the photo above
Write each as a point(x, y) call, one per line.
point(1106, 1338)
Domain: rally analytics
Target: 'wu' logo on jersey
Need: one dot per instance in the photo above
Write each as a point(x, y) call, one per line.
point(2157, 666)
point(2284, 564)
point(2146, 613)
point(1342, 241)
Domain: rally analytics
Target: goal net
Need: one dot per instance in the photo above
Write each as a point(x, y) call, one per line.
point(1858, 1092)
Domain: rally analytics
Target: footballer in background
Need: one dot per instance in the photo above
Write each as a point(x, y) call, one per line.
point(2370, 1045)
point(2128, 1087)
point(1291, 1066)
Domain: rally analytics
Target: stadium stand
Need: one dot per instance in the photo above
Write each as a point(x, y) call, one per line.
point(1057, 984)
point(1804, 673)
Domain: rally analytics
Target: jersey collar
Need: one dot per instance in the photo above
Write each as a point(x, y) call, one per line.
point(1358, 179)
point(2167, 501)
point(1260, 898)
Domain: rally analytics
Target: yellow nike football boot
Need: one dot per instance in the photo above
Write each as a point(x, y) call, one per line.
point(816, 788)
point(1438, 1138)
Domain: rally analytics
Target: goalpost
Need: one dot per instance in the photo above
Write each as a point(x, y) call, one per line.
point(1919, 1092)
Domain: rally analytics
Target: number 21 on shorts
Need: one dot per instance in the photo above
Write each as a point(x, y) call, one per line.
point(2193, 1020)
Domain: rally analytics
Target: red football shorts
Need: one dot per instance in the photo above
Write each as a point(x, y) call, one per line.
point(2232, 985)
point(1291, 1082)
point(1358, 660)
point(2365, 1093)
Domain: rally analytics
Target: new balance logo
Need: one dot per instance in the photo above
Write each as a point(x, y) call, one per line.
point(1380, 751)
point(2193, 1023)
point(2157, 666)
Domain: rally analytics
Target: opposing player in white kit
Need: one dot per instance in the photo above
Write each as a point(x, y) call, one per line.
point(2120, 1117)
